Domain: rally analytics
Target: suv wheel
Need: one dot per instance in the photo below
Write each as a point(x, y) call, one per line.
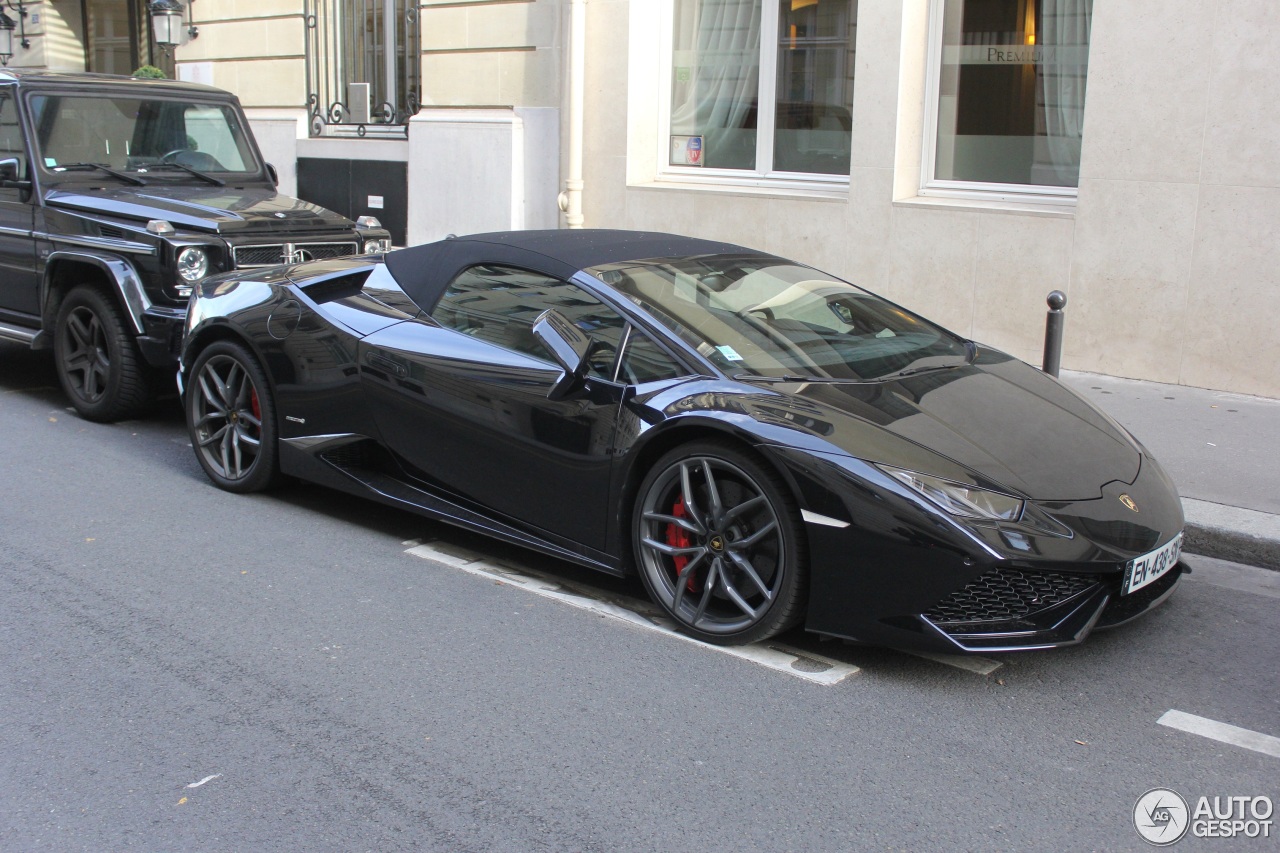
point(98, 366)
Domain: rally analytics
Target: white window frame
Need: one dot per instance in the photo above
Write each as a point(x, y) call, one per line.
point(766, 112)
point(973, 190)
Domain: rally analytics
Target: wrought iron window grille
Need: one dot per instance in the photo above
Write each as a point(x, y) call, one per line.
point(363, 61)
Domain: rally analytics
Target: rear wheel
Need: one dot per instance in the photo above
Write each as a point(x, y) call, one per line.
point(98, 365)
point(717, 543)
point(232, 420)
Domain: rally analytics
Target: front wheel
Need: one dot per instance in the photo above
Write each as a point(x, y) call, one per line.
point(717, 543)
point(98, 365)
point(231, 418)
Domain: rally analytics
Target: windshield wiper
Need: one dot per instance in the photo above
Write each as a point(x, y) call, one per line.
point(201, 175)
point(912, 371)
point(792, 377)
point(84, 167)
point(970, 352)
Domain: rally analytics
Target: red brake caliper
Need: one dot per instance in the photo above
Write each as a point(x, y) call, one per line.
point(253, 404)
point(678, 537)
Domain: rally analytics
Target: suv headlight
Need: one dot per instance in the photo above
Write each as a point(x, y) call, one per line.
point(372, 247)
point(959, 499)
point(193, 264)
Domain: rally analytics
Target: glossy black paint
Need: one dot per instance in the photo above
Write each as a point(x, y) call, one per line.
point(377, 399)
point(74, 227)
point(245, 209)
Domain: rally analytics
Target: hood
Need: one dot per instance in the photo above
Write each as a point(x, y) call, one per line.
point(227, 211)
point(997, 417)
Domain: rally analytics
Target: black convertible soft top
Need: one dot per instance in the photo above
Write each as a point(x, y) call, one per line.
point(423, 272)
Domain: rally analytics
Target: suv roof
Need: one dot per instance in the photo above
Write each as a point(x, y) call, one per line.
point(57, 78)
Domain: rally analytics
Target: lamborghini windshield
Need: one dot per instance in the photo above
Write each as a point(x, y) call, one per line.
point(132, 135)
point(762, 317)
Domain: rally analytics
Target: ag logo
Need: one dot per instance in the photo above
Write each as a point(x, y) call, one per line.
point(1129, 502)
point(1161, 816)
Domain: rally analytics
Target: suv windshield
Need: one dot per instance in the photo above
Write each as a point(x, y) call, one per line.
point(129, 134)
point(763, 317)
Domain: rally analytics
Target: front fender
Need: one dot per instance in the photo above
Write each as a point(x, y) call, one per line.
point(123, 277)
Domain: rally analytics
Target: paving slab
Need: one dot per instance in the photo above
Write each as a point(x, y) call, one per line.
point(1221, 450)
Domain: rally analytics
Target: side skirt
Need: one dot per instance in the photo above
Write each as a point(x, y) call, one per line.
point(322, 460)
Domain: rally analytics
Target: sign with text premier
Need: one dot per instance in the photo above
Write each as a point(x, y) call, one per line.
point(686, 151)
point(1069, 56)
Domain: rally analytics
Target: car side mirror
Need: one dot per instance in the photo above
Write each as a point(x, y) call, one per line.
point(273, 174)
point(568, 346)
point(10, 169)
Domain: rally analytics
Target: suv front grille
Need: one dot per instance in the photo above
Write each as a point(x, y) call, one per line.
point(270, 254)
point(1005, 594)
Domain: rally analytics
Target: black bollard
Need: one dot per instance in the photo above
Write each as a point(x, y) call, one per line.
point(1053, 333)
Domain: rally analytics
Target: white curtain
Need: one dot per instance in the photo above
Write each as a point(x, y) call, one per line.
point(717, 42)
point(1064, 33)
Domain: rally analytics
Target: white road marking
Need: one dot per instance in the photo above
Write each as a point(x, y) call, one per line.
point(1221, 732)
point(980, 665)
point(813, 668)
point(205, 779)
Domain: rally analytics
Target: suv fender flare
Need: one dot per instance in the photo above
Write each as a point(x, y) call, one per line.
point(123, 277)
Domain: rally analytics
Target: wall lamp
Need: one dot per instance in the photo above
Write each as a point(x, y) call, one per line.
point(166, 23)
point(7, 26)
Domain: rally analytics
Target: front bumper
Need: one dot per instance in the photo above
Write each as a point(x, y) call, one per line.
point(1011, 609)
point(162, 335)
point(905, 576)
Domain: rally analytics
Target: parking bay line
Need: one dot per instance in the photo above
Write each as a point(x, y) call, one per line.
point(813, 668)
point(1221, 732)
point(980, 665)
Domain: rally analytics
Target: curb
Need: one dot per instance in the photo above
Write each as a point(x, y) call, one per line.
point(1231, 533)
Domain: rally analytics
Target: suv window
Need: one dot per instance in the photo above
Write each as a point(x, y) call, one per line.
point(499, 304)
point(129, 133)
point(11, 142)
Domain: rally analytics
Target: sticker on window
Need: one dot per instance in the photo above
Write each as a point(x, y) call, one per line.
point(729, 353)
point(686, 151)
point(50, 162)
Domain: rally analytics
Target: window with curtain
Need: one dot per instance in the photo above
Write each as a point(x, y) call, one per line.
point(1011, 80)
point(762, 87)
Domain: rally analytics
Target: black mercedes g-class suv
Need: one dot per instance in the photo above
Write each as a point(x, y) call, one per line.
point(117, 195)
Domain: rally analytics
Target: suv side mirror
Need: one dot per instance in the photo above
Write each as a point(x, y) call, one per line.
point(10, 169)
point(568, 346)
point(273, 174)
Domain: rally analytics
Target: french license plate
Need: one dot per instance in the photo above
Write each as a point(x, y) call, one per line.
point(1143, 570)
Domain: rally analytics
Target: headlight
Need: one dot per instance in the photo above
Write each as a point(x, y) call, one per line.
point(372, 247)
point(959, 499)
point(193, 264)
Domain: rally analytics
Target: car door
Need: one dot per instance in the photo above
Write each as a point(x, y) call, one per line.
point(19, 291)
point(461, 398)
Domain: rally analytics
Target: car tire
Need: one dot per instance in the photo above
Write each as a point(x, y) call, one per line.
point(231, 418)
point(98, 364)
point(718, 544)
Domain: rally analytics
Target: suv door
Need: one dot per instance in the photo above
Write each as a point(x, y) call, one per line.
point(19, 293)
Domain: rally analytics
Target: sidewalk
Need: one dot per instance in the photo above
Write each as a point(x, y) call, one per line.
point(1222, 450)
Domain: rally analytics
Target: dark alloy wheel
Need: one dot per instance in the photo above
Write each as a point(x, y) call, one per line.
point(231, 419)
point(98, 366)
point(717, 543)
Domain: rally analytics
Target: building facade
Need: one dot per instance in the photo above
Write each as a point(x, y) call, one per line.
point(963, 157)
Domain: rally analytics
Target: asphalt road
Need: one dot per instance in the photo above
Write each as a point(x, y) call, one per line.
point(334, 692)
